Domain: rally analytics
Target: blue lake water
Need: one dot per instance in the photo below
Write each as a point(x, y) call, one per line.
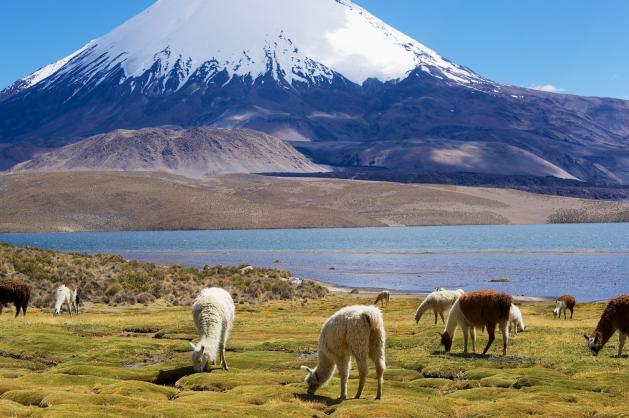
point(589, 261)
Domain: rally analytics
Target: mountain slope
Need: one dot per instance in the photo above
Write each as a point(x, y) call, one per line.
point(192, 152)
point(309, 70)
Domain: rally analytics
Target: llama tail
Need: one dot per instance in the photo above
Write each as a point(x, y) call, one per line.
point(377, 339)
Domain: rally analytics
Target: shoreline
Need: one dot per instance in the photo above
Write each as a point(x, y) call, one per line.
point(402, 294)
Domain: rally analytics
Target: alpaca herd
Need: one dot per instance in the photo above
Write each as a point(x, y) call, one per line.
point(358, 332)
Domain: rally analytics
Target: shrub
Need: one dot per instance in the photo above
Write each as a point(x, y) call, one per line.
point(111, 279)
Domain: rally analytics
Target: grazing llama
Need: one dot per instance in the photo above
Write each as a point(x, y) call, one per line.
point(214, 313)
point(17, 292)
point(562, 304)
point(383, 297)
point(70, 296)
point(614, 317)
point(439, 301)
point(516, 321)
point(354, 331)
point(484, 308)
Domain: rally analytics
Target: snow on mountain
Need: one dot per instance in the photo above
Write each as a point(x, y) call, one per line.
point(298, 40)
point(304, 70)
point(48, 70)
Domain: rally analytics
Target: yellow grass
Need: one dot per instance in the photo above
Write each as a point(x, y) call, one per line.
point(106, 362)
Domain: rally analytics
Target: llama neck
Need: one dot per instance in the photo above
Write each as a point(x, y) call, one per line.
point(211, 346)
point(423, 307)
point(212, 333)
point(325, 368)
point(453, 319)
point(60, 299)
point(604, 330)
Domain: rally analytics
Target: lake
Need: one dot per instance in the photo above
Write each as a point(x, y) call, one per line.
point(589, 261)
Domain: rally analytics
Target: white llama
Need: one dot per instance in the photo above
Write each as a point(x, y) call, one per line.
point(68, 295)
point(439, 301)
point(214, 313)
point(516, 321)
point(354, 331)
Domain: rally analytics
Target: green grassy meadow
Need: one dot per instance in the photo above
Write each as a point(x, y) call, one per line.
point(108, 362)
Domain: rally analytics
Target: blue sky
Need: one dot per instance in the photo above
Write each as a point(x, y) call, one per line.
point(576, 46)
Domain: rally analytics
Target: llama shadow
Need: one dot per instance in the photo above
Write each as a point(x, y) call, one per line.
point(469, 356)
point(304, 397)
point(621, 356)
point(461, 355)
point(170, 377)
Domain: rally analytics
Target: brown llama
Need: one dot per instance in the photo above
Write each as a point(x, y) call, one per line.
point(563, 303)
point(615, 317)
point(17, 292)
point(484, 308)
point(383, 297)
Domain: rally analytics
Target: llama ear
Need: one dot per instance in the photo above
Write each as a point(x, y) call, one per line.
point(202, 349)
point(306, 368)
point(439, 334)
point(194, 347)
point(586, 337)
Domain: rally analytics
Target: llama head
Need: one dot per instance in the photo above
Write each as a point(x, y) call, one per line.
point(557, 308)
point(200, 357)
point(594, 343)
point(312, 380)
point(446, 341)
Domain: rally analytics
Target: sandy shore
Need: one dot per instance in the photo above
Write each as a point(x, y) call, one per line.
point(149, 201)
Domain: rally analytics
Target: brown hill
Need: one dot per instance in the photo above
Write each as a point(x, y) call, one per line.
point(190, 152)
point(83, 201)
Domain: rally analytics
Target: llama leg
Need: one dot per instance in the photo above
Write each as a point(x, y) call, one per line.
point(221, 351)
point(363, 369)
point(621, 342)
point(435, 317)
point(344, 365)
point(571, 312)
point(223, 360)
point(24, 309)
point(380, 366)
point(491, 332)
point(473, 332)
point(465, 330)
point(441, 314)
point(565, 316)
point(504, 328)
point(17, 309)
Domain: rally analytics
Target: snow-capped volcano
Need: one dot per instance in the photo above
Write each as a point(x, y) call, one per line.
point(356, 91)
point(298, 40)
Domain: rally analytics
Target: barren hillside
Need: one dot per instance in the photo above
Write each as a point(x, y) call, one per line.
point(84, 201)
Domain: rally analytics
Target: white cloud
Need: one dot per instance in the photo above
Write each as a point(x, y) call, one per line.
point(549, 88)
